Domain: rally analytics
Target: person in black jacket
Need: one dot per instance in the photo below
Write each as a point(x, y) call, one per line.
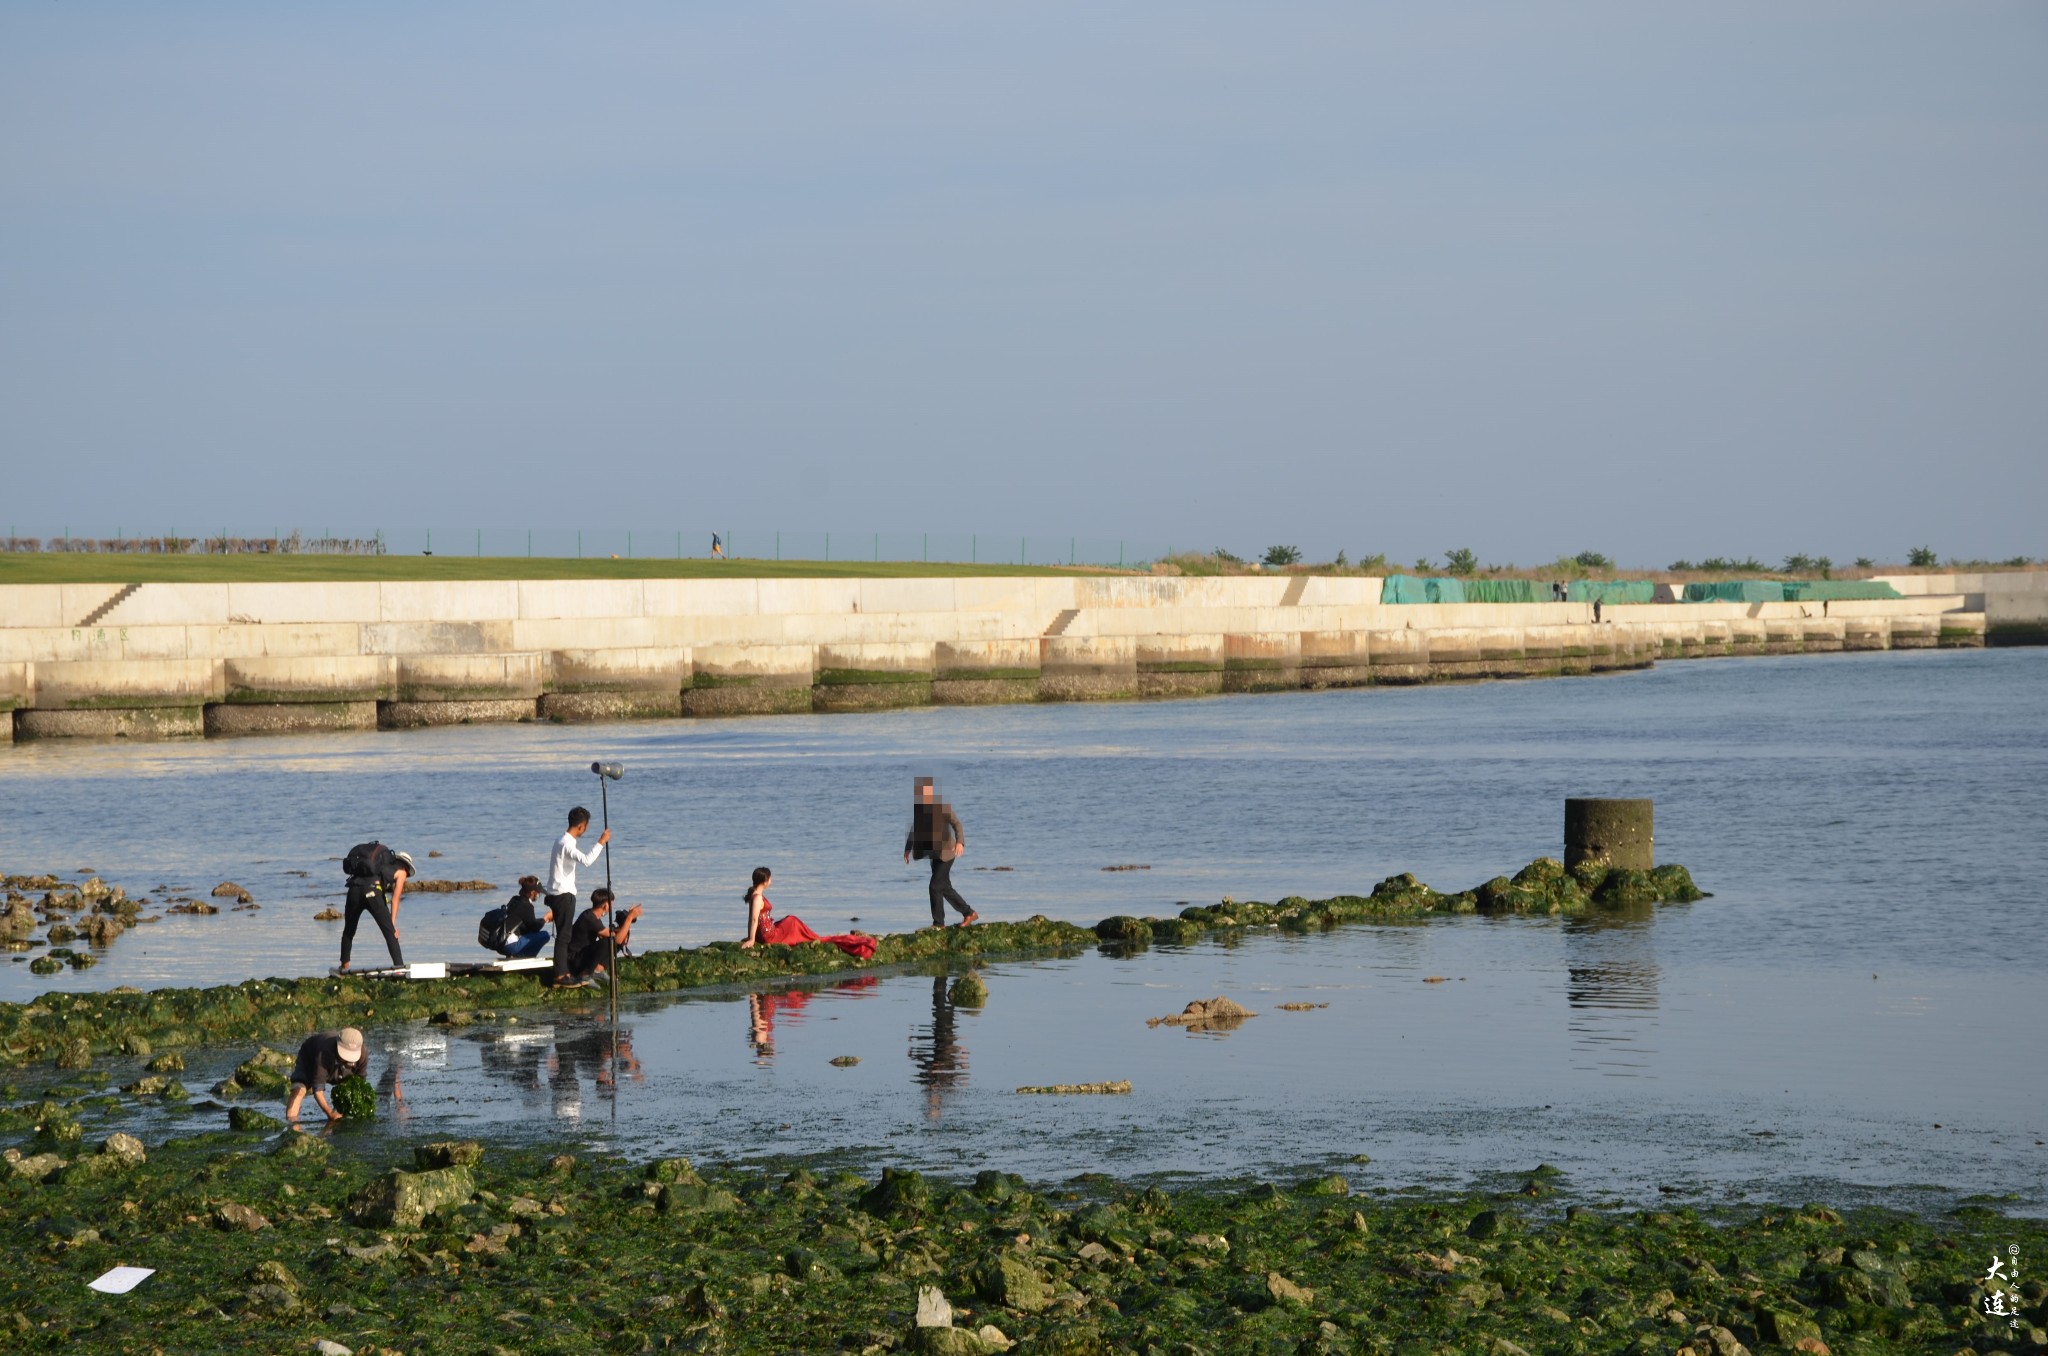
point(935, 832)
point(525, 926)
point(377, 894)
point(596, 933)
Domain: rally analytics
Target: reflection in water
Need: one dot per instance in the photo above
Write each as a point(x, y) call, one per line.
point(941, 1059)
point(764, 1008)
point(589, 1052)
point(1611, 986)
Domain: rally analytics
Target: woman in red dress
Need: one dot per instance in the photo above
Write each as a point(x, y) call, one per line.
point(764, 929)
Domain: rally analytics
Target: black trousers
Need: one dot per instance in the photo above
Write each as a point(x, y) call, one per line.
point(564, 909)
point(365, 896)
point(943, 891)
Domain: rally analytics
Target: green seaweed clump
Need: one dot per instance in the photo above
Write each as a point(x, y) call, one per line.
point(354, 1098)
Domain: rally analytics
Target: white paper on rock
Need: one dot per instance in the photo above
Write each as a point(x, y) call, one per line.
point(121, 1280)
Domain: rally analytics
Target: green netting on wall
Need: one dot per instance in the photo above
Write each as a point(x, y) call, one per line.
point(1406, 588)
point(1613, 591)
point(1507, 591)
point(1836, 590)
point(1736, 591)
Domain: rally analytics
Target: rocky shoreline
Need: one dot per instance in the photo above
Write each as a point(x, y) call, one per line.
point(277, 1242)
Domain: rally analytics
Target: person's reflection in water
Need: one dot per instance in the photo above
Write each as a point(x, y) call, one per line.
point(763, 1008)
point(1611, 987)
point(941, 1059)
point(588, 1051)
point(514, 1060)
point(389, 1088)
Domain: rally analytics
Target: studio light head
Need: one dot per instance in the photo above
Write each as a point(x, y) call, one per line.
point(612, 771)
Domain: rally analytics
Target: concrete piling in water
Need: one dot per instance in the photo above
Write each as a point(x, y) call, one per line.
point(1611, 833)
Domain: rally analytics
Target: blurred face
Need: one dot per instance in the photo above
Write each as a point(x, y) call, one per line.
point(926, 792)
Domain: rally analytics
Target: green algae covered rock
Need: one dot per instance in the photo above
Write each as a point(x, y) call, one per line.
point(1125, 930)
point(695, 1198)
point(1674, 885)
point(1622, 887)
point(354, 1098)
point(302, 1147)
point(898, 1193)
point(403, 1200)
point(1014, 1282)
point(249, 1120)
point(448, 1153)
point(968, 991)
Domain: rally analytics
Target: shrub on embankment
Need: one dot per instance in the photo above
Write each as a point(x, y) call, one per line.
point(74, 1028)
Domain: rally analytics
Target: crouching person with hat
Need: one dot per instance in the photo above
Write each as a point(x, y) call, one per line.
point(326, 1057)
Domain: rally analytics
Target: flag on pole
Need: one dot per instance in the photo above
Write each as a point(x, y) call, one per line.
point(717, 546)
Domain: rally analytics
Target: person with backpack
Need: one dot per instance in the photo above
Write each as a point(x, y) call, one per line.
point(514, 929)
point(375, 872)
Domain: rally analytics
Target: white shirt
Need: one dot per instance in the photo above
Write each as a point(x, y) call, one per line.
point(562, 866)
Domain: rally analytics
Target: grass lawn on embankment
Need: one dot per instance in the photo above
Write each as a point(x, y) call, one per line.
point(82, 568)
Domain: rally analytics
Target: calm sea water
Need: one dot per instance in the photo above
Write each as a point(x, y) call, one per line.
point(1857, 1010)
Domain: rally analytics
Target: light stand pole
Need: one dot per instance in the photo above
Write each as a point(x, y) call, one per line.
point(608, 773)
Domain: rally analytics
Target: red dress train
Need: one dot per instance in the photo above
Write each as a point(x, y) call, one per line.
point(793, 931)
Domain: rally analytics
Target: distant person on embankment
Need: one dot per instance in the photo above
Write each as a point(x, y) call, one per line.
point(561, 885)
point(326, 1057)
point(935, 832)
point(375, 871)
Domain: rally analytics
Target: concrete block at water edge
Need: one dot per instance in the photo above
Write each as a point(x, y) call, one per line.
point(266, 681)
point(1399, 655)
point(554, 599)
point(635, 669)
point(1336, 659)
point(284, 641)
point(1821, 637)
point(601, 706)
point(906, 595)
point(315, 602)
point(116, 684)
point(987, 672)
point(1268, 661)
point(437, 637)
point(39, 605)
point(594, 633)
point(1715, 638)
point(1915, 633)
point(1959, 630)
point(1866, 633)
point(463, 600)
point(703, 597)
point(740, 680)
point(141, 724)
point(1783, 635)
point(1746, 635)
point(2016, 614)
point(472, 677)
point(1454, 652)
point(17, 687)
point(297, 717)
point(1180, 665)
point(1087, 668)
point(416, 715)
point(838, 665)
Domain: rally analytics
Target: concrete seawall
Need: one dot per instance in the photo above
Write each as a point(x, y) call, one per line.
point(171, 660)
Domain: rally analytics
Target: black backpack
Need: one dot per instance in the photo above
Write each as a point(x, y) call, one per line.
point(494, 930)
point(365, 859)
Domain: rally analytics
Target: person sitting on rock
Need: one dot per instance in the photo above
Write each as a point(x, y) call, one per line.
point(765, 929)
point(326, 1057)
point(596, 935)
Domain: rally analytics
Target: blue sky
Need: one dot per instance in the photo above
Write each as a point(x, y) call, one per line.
point(1658, 281)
